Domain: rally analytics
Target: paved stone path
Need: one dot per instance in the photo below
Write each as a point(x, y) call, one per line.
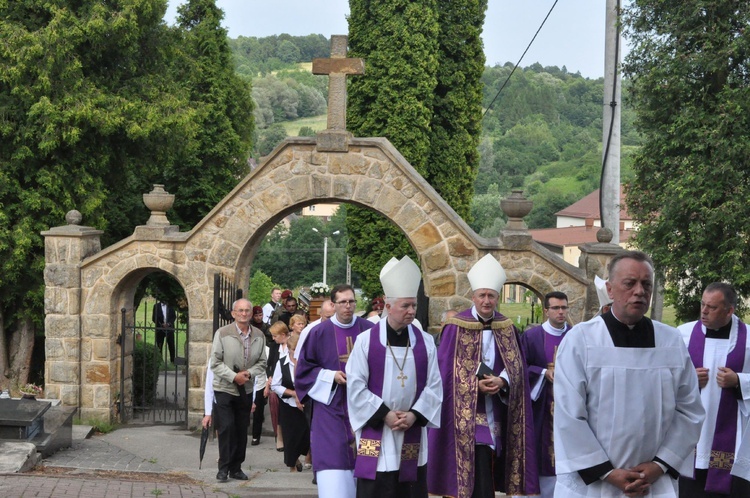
point(148, 461)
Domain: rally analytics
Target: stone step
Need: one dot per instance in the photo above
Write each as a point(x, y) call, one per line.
point(17, 457)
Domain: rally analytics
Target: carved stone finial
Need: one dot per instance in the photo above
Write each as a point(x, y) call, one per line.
point(159, 201)
point(604, 235)
point(73, 217)
point(516, 206)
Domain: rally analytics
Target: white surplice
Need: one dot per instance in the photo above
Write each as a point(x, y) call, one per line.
point(714, 356)
point(741, 467)
point(625, 406)
point(363, 403)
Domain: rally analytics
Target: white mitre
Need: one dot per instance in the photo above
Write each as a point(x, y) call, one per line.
point(400, 279)
point(601, 292)
point(487, 273)
point(387, 267)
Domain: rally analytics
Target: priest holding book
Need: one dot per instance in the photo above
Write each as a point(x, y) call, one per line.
point(486, 414)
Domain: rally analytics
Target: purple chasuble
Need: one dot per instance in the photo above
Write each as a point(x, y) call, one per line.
point(450, 464)
point(719, 479)
point(331, 436)
point(370, 439)
point(539, 348)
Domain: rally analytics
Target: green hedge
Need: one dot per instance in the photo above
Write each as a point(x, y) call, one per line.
point(146, 364)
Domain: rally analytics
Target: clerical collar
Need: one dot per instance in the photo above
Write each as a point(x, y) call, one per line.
point(640, 335)
point(720, 333)
point(335, 320)
point(397, 338)
point(554, 331)
point(486, 324)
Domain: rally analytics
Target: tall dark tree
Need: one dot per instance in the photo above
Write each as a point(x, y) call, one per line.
point(691, 91)
point(98, 100)
point(457, 103)
point(223, 121)
point(399, 40)
point(86, 109)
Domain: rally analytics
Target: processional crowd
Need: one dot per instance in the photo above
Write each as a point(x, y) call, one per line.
point(619, 405)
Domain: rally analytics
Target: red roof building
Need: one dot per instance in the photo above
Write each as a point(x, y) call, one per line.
point(577, 224)
point(587, 208)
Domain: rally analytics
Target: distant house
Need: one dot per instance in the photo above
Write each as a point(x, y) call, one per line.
point(577, 224)
point(325, 211)
point(577, 214)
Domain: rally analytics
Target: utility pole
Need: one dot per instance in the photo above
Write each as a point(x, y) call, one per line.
point(609, 195)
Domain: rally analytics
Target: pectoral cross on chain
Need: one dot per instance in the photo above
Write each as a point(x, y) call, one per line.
point(402, 378)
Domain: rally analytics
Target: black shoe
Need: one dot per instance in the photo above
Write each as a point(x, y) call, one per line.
point(255, 442)
point(280, 449)
point(239, 475)
point(222, 476)
point(315, 479)
point(298, 466)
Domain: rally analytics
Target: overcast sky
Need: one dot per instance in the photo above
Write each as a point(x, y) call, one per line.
point(573, 36)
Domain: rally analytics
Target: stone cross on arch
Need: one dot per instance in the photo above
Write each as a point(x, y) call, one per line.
point(337, 67)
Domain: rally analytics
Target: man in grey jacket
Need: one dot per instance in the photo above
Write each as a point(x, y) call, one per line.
point(238, 355)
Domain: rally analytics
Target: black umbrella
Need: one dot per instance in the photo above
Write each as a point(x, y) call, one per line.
point(204, 439)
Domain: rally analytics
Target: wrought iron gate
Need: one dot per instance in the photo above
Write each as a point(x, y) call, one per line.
point(226, 293)
point(158, 388)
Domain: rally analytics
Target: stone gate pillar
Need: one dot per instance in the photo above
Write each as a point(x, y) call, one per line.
point(594, 259)
point(64, 249)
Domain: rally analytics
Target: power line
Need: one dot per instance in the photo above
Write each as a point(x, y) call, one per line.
point(519, 60)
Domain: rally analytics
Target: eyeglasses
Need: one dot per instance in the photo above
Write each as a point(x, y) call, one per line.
point(242, 311)
point(558, 308)
point(350, 302)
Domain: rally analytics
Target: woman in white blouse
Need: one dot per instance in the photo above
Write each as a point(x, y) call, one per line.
point(291, 414)
point(280, 333)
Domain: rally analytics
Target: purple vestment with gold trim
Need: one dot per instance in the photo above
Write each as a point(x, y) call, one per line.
point(450, 466)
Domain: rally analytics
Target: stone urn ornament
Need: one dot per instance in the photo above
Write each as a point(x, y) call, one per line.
point(159, 201)
point(516, 207)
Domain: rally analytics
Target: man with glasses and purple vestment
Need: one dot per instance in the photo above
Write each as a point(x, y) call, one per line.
point(718, 345)
point(539, 345)
point(321, 379)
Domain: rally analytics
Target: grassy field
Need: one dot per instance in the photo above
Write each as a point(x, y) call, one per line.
point(317, 123)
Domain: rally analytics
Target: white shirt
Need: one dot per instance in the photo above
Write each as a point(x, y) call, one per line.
point(276, 381)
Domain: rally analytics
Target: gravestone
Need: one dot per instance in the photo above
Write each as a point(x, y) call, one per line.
point(48, 427)
point(21, 419)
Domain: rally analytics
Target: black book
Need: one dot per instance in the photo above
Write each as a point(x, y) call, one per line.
point(484, 370)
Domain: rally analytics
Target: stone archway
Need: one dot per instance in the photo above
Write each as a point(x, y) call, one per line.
point(85, 286)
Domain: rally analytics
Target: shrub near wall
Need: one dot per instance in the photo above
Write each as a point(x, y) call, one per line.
point(146, 364)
